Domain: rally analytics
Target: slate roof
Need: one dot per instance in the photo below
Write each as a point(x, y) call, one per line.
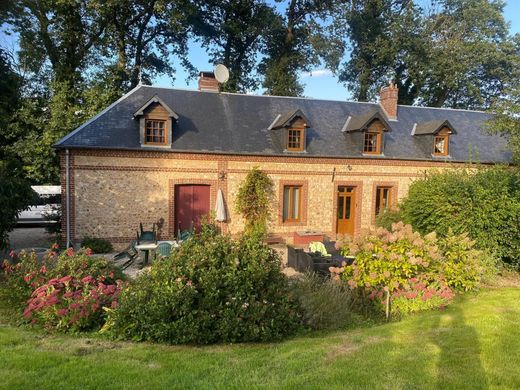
point(228, 123)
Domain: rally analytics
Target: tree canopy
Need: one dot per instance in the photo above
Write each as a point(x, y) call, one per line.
point(74, 57)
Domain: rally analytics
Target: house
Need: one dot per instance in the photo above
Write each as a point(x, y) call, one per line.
point(162, 154)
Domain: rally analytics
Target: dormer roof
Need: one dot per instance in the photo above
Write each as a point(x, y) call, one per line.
point(432, 127)
point(155, 99)
point(286, 120)
point(362, 121)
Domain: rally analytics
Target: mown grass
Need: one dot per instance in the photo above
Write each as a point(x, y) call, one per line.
point(473, 344)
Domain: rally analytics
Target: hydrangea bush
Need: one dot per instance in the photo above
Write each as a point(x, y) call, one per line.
point(411, 271)
point(69, 304)
point(73, 281)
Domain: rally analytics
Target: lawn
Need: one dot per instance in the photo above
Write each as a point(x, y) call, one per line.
point(474, 343)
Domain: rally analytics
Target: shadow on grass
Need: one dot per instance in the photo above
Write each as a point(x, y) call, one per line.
point(459, 360)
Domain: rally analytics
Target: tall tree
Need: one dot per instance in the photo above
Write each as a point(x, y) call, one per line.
point(232, 32)
point(456, 53)
point(10, 94)
point(140, 36)
point(291, 45)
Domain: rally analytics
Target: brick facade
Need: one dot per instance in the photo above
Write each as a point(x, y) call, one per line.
point(113, 191)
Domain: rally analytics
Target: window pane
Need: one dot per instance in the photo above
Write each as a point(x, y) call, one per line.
point(348, 200)
point(439, 145)
point(341, 206)
point(286, 200)
point(296, 203)
point(378, 200)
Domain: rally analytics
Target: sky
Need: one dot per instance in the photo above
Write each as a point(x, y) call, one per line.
point(320, 83)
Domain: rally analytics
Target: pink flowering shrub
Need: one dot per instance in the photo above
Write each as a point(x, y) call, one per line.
point(416, 272)
point(23, 274)
point(69, 304)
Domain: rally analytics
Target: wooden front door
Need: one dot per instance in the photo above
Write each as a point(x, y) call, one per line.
point(346, 210)
point(191, 204)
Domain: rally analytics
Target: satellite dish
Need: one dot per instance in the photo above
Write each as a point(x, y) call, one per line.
point(221, 73)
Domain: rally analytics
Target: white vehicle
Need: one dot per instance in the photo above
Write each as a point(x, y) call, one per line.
point(48, 205)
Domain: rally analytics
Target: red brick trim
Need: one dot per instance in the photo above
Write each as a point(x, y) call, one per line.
point(393, 196)
point(226, 171)
point(166, 154)
point(359, 201)
point(171, 198)
point(304, 202)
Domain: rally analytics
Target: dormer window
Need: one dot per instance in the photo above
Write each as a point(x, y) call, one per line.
point(290, 130)
point(155, 132)
point(156, 121)
point(440, 132)
point(441, 143)
point(373, 137)
point(372, 125)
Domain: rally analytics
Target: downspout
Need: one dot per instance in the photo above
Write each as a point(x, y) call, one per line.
point(67, 195)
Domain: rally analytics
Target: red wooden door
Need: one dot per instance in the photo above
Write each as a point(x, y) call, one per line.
point(191, 204)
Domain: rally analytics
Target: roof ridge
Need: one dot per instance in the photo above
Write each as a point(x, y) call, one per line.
point(308, 98)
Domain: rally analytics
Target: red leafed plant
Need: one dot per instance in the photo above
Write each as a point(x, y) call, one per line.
point(70, 304)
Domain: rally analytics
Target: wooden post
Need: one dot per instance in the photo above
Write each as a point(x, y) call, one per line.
point(387, 311)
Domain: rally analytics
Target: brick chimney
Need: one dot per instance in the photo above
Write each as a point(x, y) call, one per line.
point(208, 82)
point(388, 100)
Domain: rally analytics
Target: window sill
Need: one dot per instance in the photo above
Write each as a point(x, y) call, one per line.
point(440, 157)
point(153, 146)
point(295, 151)
point(373, 154)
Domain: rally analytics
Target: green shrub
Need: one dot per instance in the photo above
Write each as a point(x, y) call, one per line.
point(463, 266)
point(388, 217)
point(212, 289)
point(485, 205)
point(98, 245)
point(325, 304)
point(254, 200)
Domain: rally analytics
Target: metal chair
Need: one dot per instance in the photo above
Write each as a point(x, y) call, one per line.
point(130, 254)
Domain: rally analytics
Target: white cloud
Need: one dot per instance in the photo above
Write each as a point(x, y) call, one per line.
point(317, 73)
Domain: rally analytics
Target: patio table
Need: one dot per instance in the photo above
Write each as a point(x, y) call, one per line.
point(151, 246)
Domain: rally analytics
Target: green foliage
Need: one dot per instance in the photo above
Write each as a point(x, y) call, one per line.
point(254, 199)
point(506, 117)
point(463, 266)
point(16, 195)
point(388, 217)
point(325, 304)
point(212, 289)
point(484, 204)
point(98, 245)
point(456, 54)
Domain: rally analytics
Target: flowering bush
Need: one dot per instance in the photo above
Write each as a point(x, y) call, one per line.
point(211, 289)
point(24, 273)
point(411, 271)
point(69, 304)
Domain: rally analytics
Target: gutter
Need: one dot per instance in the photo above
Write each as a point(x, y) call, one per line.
point(67, 196)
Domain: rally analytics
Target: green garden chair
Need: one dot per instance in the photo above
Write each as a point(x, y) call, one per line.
point(164, 249)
